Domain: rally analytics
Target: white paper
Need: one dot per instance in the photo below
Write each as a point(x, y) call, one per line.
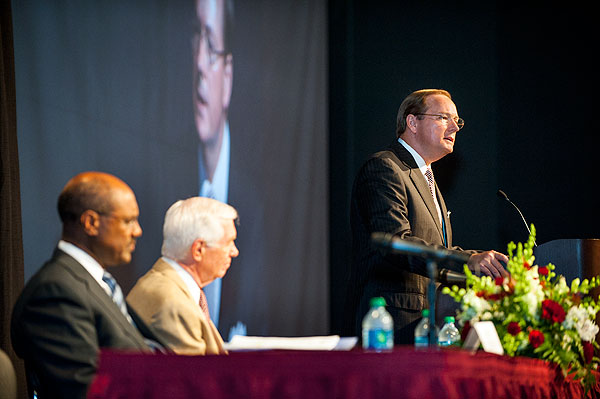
point(484, 333)
point(329, 342)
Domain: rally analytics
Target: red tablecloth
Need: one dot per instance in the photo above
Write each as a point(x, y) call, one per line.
point(403, 373)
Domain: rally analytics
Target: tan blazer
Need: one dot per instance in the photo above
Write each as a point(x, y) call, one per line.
point(162, 300)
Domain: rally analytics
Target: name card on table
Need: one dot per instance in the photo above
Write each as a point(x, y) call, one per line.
point(484, 333)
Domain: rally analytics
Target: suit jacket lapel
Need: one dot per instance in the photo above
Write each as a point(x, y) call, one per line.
point(165, 269)
point(445, 216)
point(422, 186)
point(99, 295)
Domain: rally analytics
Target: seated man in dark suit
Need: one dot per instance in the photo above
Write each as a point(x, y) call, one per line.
point(72, 307)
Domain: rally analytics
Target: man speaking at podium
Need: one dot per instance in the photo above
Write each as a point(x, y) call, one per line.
point(395, 192)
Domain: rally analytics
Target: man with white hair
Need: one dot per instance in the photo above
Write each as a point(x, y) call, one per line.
point(198, 245)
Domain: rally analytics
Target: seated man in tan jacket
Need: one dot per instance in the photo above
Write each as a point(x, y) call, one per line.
point(198, 244)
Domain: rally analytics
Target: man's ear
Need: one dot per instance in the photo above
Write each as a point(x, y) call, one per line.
point(198, 249)
point(411, 123)
point(90, 222)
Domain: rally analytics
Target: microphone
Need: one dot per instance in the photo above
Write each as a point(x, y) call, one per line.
point(396, 244)
point(502, 194)
point(448, 277)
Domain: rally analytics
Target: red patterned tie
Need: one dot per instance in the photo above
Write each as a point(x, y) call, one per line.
point(204, 304)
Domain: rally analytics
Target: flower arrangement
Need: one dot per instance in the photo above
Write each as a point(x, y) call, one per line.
point(535, 312)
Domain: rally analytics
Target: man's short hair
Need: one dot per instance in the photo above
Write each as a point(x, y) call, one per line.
point(415, 103)
point(191, 219)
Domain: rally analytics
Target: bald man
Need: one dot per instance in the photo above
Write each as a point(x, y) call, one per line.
point(70, 308)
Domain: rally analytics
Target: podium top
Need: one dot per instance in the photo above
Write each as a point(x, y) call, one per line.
point(572, 257)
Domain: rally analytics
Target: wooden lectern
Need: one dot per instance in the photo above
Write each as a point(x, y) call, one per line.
point(572, 258)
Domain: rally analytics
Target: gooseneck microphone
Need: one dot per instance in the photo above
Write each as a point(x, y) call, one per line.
point(502, 194)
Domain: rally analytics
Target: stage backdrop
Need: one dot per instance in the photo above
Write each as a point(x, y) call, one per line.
point(107, 85)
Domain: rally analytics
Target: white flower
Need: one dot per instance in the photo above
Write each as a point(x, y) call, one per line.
point(473, 306)
point(561, 287)
point(532, 301)
point(587, 330)
point(566, 342)
point(575, 315)
point(580, 318)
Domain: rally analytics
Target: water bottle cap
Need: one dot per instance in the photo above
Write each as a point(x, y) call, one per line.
point(377, 301)
point(449, 319)
point(425, 312)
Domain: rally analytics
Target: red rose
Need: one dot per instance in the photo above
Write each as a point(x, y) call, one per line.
point(536, 338)
point(499, 280)
point(588, 351)
point(552, 311)
point(495, 297)
point(513, 328)
point(543, 271)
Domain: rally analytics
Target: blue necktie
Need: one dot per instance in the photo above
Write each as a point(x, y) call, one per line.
point(117, 297)
point(117, 294)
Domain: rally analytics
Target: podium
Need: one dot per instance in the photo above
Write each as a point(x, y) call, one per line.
point(573, 258)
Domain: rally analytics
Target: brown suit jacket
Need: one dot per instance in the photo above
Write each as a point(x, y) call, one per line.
point(163, 301)
point(391, 195)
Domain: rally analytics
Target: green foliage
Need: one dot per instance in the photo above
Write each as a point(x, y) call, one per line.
point(535, 311)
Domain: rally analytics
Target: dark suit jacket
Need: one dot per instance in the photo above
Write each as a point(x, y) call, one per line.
point(391, 195)
point(59, 323)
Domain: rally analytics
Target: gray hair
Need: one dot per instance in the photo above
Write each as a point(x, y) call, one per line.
point(191, 219)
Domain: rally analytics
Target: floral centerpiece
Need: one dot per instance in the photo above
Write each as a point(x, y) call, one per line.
point(535, 311)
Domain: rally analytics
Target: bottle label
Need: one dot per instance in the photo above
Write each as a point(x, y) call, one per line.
point(421, 341)
point(380, 339)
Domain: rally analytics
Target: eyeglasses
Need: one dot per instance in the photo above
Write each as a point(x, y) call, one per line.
point(225, 248)
point(446, 119)
point(128, 221)
point(204, 34)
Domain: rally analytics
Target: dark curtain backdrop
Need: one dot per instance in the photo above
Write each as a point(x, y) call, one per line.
point(107, 85)
point(523, 77)
point(11, 243)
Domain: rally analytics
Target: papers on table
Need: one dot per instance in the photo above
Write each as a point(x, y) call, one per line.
point(330, 342)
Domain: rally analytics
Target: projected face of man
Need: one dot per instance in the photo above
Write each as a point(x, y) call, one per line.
point(212, 74)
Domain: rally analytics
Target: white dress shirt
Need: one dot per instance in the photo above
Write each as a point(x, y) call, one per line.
point(422, 167)
point(187, 278)
point(87, 261)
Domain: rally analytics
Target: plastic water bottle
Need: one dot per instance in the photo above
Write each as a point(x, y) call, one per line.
point(422, 331)
point(378, 327)
point(449, 334)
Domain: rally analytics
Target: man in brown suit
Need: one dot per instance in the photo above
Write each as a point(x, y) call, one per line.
point(198, 245)
point(393, 194)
